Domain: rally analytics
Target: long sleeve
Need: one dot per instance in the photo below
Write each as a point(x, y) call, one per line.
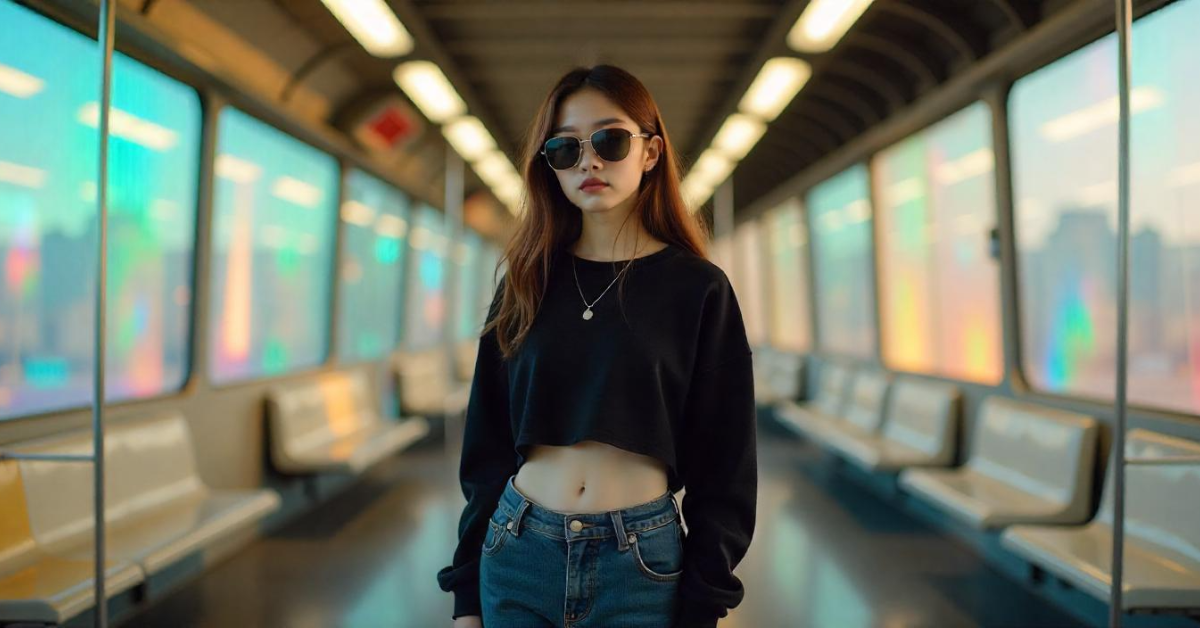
point(488, 460)
point(718, 463)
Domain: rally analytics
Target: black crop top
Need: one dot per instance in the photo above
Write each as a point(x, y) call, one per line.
point(674, 382)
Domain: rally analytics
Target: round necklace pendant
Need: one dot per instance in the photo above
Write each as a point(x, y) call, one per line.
point(587, 314)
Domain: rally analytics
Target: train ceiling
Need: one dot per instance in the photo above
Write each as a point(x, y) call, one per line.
point(696, 56)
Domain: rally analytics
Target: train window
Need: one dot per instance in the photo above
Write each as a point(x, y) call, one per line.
point(49, 113)
point(1063, 126)
point(375, 231)
point(274, 219)
point(839, 213)
point(470, 312)
point(788, 249)
point(425, 318)
point(939, 287)
point(748, 278)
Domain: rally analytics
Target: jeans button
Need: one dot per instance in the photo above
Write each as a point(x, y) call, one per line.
point(576, 525)
point(508, 526)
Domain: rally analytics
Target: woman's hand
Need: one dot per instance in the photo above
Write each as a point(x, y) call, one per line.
point(469, 621)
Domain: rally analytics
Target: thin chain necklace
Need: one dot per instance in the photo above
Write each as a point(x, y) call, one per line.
point(587, 312)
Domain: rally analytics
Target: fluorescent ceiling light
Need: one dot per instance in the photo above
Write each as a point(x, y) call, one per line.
point(738, 135)
point(296, 191)
point(237, 170)
point(24, 176)
point(127, 126)
point(1100, 114)
point(494, 169)
point(823, 23)
point(374, 25)
point(18, 83)
point(777, 83)
point(695, 192)
point(712, 168)
point(469, 137)
point(430, 90)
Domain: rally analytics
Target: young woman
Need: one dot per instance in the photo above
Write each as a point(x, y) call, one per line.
point(613, 371)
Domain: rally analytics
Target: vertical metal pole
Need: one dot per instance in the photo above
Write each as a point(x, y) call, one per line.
point(1124, 27)
point(105, 37)
point(723, 212)
point(455, 174)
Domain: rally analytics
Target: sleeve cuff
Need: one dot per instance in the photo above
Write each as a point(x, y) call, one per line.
point(691, 616)
point(466, 601)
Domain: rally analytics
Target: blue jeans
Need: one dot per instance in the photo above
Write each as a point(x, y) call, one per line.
point(617, 569)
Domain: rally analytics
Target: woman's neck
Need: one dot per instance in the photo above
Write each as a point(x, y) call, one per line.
point(603, 237)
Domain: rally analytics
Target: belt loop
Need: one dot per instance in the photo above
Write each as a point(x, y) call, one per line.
point(516, 529)
point(619, 531)
point(675, 506)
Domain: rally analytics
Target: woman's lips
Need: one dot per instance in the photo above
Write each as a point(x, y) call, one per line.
point(594, 187)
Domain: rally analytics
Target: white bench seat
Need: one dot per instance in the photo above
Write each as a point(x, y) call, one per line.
point(920, 429)
point(981, 499)
point(813, 417)
point(331, 425)
point(52, 590)
point(356, 452)
point(427, 385)
point(39, 587)
point(1162, 533)
point(157, 508)
point(863, 414)
point(1028, 464)
point(157, 539)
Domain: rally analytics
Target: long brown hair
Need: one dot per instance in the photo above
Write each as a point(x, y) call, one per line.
point(550, 222)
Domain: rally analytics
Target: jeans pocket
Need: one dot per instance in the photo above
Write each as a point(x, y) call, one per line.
point(658, 552)
point(495, 535)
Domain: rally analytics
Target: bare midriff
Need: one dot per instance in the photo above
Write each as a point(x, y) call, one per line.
point(589, 477)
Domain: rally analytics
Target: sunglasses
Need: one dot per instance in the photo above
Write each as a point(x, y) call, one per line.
point(610, 144)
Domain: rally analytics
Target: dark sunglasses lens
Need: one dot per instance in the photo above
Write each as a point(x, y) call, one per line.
point(562, 152)
point(611, 144)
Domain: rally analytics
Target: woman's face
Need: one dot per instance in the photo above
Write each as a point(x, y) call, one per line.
point(583, 113)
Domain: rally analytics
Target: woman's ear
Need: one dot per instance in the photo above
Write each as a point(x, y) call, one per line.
point(653, 152)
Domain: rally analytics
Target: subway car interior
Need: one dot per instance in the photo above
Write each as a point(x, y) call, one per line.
point(966, 282)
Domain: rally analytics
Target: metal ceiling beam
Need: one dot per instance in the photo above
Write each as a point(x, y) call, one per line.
point(659, 76)
point(550, 51)
point(826, 129)
point(895, 93)
point(848, 122)
point(429, 47)
point(962, 36)
point(865, 104)
point(926, 71)
point(583, 12)
point(1020, 14)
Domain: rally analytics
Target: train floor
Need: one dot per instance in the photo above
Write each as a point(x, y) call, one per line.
point(826, 553)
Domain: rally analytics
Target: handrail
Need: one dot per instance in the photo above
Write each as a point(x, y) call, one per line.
point(15, 455)
point(1124, 18)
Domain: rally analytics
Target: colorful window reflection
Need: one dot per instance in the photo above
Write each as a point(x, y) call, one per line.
point(839, 213)
point(274, 218)
point(787, 245)
point(49, 116)
point(1063, 121)
point(939, 292)
point(426, 317)
point(748, 279)
point(375, 233)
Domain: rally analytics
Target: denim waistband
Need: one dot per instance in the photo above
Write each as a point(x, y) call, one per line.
point(524, 513)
